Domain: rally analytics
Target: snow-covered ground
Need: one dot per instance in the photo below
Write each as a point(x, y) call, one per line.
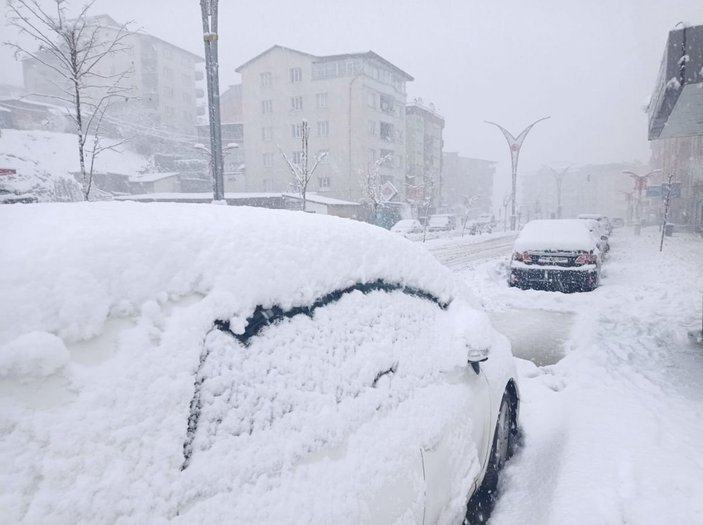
point(44, 161)
point(612, 431)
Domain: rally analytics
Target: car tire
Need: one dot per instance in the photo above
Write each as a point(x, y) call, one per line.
point(505, 437)
point(503, 443)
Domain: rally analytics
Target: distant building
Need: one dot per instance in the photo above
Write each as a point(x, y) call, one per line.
point(676, 123)
point(467, 184)
point(590, 188)
point(160, 90)
point(423, 154)
point(355, 108)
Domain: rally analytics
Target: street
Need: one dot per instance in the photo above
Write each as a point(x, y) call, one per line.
point(612, 397)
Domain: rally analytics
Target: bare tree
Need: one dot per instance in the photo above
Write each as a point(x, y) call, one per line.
point(301, 171)
point(73, 51)
point(370, 183)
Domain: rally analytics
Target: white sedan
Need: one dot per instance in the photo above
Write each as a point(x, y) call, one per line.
point(166, 363)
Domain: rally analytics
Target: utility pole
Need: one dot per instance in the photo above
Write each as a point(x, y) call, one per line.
point(667, 203)
point(209, 14)
point(515, 143)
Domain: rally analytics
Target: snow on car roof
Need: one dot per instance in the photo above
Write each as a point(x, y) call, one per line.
point(561, 234)
point(120, 255)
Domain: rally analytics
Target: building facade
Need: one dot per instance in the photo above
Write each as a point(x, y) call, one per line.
point(423, 154)
point(466, 185)
point(354, 105)
point(590, 188)
point(158, 90)
point(676, 123)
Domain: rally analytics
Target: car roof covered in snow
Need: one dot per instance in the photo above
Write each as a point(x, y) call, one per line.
point(120, 255)
point(558, 234)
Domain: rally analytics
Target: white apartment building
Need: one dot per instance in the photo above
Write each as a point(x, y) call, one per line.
point(160, 91)
point(423, 143)
point(355, 108)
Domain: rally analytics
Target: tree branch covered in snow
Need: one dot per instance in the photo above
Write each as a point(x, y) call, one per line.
point(74, 49)
point(301, 171)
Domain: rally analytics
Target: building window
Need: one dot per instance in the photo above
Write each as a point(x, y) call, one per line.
point(267, 159)
point(323, 183)
point(268, 185)
point(371, 99)
point(168, 73)
point(387, 158)
point(296, 103)
point(297, 157)
point(372, 128)
point(296, 130)
point(372, 156)
point(296, 74)
point(323, 128)
point(324, 156)
point(387, 104)
point(267, 134)
point(386, 131)
point(321, 100)
point(168, 91)
point(266, 80)
point(267, 106)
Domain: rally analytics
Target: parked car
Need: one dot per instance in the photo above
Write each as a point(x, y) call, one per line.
point(443, 222)
point(599, 234)
point(558, 255)
point(407, 227)
point(210, 364)
point(603, 220)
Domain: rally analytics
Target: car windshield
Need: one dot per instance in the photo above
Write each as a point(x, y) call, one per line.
point(351, 262)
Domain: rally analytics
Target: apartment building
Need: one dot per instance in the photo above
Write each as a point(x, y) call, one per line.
point(355, 108)
point(159, 91)
point(423, 145)
point(467, 184)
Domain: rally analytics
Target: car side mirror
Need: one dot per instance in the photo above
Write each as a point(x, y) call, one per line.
point(476, 356)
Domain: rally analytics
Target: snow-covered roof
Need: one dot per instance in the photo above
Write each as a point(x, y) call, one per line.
point(152, 177)
point(561, 234)
point(322, 199)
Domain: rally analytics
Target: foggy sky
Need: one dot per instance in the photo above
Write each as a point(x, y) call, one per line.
point(589, 64)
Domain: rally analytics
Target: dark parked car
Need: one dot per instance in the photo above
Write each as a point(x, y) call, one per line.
point(557, 255)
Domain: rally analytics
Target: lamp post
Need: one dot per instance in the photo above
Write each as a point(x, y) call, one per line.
point(559, 179)
point(640, 184)
point(515, 143)
point(208, 10)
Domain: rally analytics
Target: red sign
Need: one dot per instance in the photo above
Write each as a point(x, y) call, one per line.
point(7, 171)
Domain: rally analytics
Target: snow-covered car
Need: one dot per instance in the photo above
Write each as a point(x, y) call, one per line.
point(407, 227)
point(166, 363)
point(617, 222)
point(599, 234)
point(603, 220)
point(556, 255)
point(442, 222)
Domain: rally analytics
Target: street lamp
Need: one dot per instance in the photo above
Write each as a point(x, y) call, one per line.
point(515, 143)
point(559, 179)
point(640, 184)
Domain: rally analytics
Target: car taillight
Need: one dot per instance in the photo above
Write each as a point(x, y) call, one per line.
point(586, 258)
point(524, 257)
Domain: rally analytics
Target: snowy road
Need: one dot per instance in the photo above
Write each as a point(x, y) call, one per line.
point(611, 430)
point(458, 253)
